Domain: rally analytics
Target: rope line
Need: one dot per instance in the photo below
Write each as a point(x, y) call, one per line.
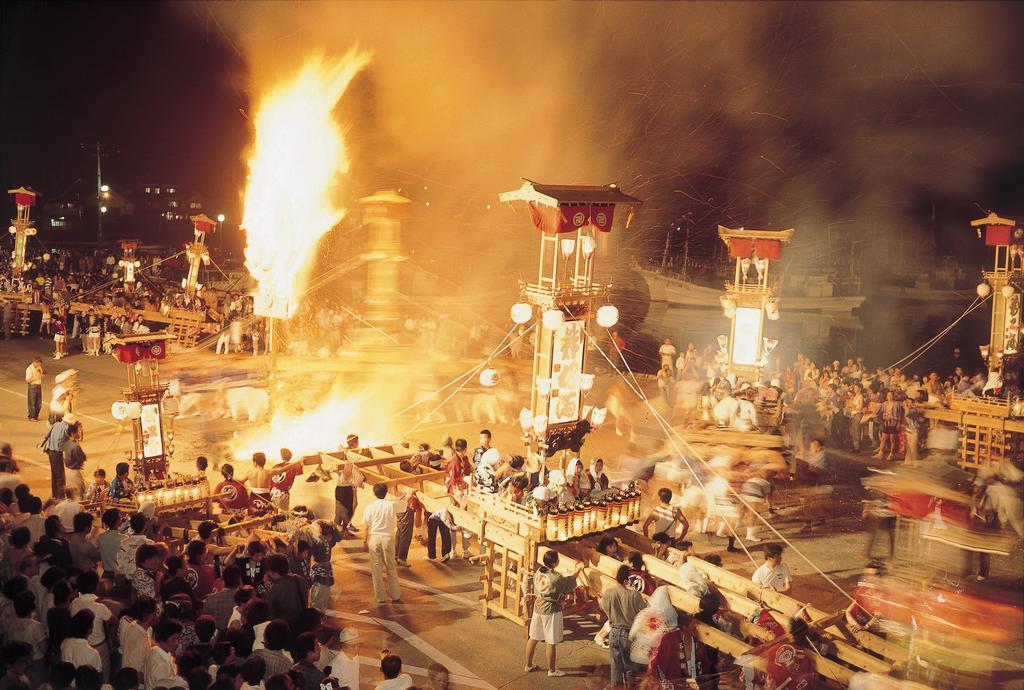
point(740, 498)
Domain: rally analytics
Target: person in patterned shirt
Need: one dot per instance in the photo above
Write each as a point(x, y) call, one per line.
point(322, 537)
point(122, 487)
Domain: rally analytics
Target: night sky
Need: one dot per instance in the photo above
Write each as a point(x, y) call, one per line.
point(151, 84)
point(880, 122)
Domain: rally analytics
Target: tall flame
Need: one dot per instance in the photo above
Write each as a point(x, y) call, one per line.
point(297, 160)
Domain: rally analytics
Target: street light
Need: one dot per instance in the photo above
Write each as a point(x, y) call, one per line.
point(220, 217)
point(103, 209)
point(104, 188)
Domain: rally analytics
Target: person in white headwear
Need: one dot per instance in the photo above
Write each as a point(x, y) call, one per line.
point(745, 415)
point(657, 640)
point(725, 410)
point(558, 489)
point(483, 475)
point(578, 480)
point(599, 481)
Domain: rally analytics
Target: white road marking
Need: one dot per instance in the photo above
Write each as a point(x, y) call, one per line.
point(45, 407)
point(419, 643)
point(471, 681)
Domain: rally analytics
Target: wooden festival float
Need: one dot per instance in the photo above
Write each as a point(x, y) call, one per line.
point(935, 505)
point(18, 301)
point(992, 426)
point(175, 497)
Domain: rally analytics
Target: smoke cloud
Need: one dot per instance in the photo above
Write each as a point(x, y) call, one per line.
point(848, 121)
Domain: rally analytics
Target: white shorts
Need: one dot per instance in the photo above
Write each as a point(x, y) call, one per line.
point(58, 338)
point(546, 627)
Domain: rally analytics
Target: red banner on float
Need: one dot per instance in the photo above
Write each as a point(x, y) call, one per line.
point(740, 249)
point(768, 249)
point(996, 235)
point(571, 217)
point(25, 199)
point(131, 353)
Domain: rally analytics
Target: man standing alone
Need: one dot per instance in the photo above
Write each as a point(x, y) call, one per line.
point(53, 444)
point(380, 518)
point(621, 605)
point(74, 461)
point(546, 623)
point(34, 379)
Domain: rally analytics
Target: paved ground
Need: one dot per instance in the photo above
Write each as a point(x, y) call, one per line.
point(439, 620)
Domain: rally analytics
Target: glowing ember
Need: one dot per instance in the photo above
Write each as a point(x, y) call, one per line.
point(297, 158)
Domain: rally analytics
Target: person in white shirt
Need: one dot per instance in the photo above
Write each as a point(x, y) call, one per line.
point(160, 670)
point(76, 649)
point(133, 633)
point(25, 628)
point(341, 654)
point(87, 600)
point(380, 520)
point(668, 353)
point(34, 380)
point(66, 510)
point(391, 669)
point(773, 573)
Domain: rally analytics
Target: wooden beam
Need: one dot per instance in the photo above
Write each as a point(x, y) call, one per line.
point(691, 605)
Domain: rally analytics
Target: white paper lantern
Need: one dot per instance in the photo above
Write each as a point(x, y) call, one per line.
point(489, 377)
point(553, 318)
point(586, 382)
point(587, 245)
point(568, 246)
point(597, 416)
point(521, 312)
point(607, 316)
point(540, 423)
point(134, 409)
point(119, 410)
point(1008, 291)
point(525, 419)
point(984, 290)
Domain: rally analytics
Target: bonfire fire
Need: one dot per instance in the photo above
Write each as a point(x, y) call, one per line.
point(298, 158)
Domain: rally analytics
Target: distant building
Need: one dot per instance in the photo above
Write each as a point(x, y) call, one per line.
point(59, 216)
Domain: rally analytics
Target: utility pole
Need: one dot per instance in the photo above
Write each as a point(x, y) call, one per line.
point(686, 254)
point(99, 195)
point(664, 253)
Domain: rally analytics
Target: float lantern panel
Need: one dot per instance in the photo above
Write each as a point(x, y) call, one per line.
point(566, 401)
point(746, 336)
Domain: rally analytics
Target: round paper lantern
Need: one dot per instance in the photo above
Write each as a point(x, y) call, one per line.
point(134, 409)
point(489, 377)
point(521, 312)
point(1008, 291)
point(119, 410)
point(607, 316)
point(984, 290)
point(552, 319)
point(46, 256)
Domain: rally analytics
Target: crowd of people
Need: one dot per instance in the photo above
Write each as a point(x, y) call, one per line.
point(854, 407)
point(57, 280)
point(121, 603)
